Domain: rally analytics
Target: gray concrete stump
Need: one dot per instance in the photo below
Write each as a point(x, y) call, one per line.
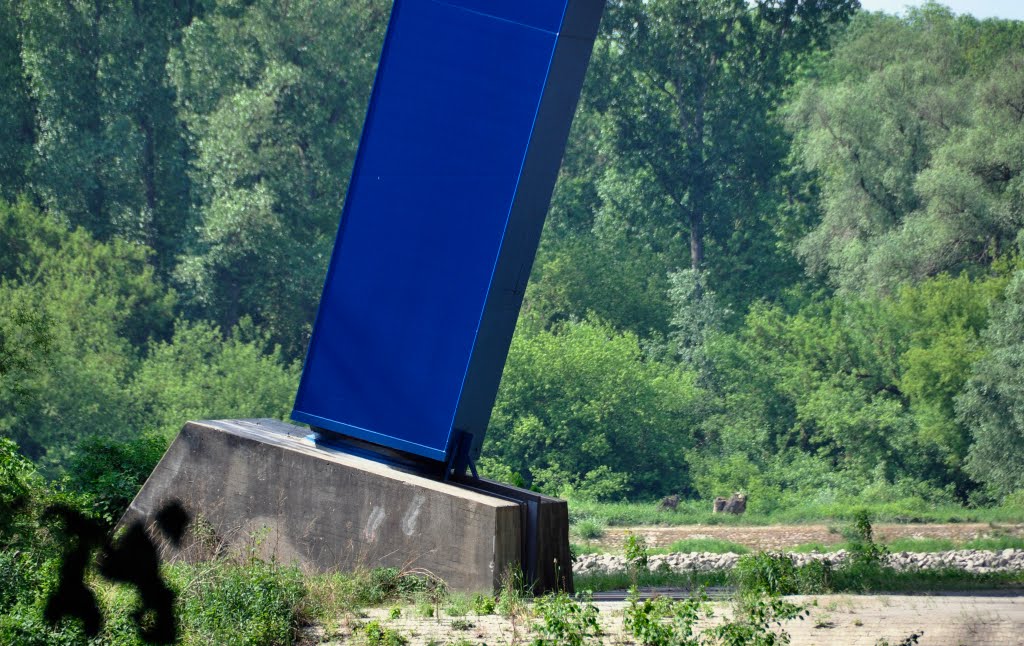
point(261, 486)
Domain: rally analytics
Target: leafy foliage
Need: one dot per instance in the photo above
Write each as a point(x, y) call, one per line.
point(581, 412)
point(991, 405)
point(566, 621)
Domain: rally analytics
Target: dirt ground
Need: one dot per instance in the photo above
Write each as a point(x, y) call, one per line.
point(776, 537)
point(840, 620)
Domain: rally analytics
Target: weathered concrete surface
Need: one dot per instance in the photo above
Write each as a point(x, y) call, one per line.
point(262, 485)
point(546, 561)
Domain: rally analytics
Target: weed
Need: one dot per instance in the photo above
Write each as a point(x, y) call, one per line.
point(566, 621)
point(459, 605)
point(388, 583)
point(995, 543)
point(461, 624)
point(664, 621)
point(637, 556)
point(589, 529)
point(395, 613)
point(378, 635)
point(766, 573)
point(512, 598)
point(425, 609)
point(815, 577)
point(259, 603)
point(756, 614)
point(864, 551)
point(909, 640)
point(483, 604)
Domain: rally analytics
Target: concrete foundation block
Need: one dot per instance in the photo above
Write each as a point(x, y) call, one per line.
point(263, 486)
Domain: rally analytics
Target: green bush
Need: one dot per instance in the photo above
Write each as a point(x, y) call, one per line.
point(766, 573)
point(484, 604)
point(662, 621)
point(588, 529)
point(110, 472)
point(564, 621)
point(388, 583)
point(254, 604)
point(378, 635)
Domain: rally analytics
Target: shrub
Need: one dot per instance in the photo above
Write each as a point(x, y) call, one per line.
point(483, 604)
point(664, 621)
point(565, 621)
point(259, 603)
point(766, 573)
point(378, 635)
point(111, 472)
point(589, 529)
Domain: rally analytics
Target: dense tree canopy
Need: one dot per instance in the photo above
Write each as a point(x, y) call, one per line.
point(783, 254)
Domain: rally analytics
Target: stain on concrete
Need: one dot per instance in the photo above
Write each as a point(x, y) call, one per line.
point(412, 514)
point(373, 524)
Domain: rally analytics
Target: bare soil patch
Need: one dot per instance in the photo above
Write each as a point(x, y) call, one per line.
point(779, 537)
point(842, 620)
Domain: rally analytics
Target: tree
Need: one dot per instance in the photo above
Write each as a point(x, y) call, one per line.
point(273, 96)
point(689, 91)
point(201, 373)
point(581, 408)
point(96, 305)
point(915, 156)
point(992, 403)
point(941, 321)
point(109, 154)
point(17, 116)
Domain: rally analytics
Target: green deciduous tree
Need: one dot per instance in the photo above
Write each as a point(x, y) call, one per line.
point(109, 154)
point(580, 406)
point(687, 90)
point(992, 404)
point(97, 304)
point(17, 131)
point(914, 130)
point(273, 96)
point(202, 374)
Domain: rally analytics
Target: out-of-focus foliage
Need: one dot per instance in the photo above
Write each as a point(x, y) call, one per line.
point(782, 256)
point(272, 95)
point(914, 130)
point(581, 412)
point(86, 345)
point(992, 404)
point(202, 374)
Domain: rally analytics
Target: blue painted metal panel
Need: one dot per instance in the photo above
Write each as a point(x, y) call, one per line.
point(460, 149)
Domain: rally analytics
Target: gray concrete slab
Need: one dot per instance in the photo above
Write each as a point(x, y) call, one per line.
point(262, 486)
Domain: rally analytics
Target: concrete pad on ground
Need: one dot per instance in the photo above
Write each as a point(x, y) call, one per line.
point(264, 486)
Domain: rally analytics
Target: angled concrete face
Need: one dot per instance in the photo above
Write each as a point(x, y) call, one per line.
point(260, 485)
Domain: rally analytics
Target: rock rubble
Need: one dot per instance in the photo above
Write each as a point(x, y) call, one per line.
point(975, 561)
